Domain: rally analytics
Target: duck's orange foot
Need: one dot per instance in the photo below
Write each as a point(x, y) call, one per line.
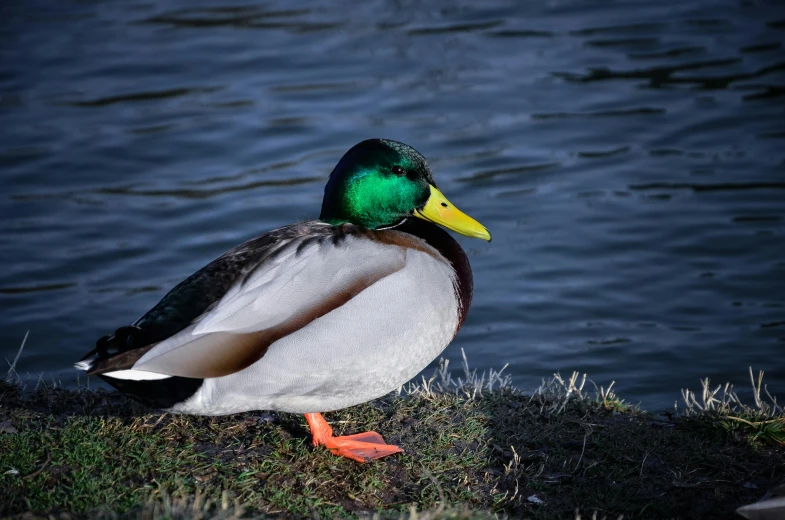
point(360, 447)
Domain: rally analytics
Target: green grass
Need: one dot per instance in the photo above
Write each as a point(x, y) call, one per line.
point(472, 451)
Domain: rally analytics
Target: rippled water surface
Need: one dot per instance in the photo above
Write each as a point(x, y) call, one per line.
point(629, 159)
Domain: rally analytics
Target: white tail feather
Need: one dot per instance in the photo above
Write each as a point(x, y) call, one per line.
point(136, 375)
point(84, 365)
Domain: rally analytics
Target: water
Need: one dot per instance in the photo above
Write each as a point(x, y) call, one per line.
point(629, 159)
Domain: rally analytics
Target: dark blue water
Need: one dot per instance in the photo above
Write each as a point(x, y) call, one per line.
point(628, 157)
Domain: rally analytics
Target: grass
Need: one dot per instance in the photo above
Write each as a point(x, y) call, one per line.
point(722, 407)
point(475, 448)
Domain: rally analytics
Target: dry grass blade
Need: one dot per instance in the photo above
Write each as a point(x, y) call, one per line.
point(762, 420)
point(12, 376)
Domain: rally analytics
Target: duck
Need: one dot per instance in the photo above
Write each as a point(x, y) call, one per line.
point(314, 316)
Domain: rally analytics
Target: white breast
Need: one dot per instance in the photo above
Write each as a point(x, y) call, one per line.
point(362, 350)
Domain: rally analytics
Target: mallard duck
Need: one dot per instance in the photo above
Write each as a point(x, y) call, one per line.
point(311, 317)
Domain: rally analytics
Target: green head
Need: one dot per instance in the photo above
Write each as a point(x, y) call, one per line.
point(379, 183)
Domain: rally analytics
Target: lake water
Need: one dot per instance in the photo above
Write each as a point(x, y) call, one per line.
point(628, 157)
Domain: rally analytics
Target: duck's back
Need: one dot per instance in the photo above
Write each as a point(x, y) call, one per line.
point(305, 318)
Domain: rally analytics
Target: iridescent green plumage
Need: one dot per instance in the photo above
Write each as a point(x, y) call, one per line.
point(377, 184)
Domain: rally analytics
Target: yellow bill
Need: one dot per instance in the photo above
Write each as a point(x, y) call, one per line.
point(441, 211)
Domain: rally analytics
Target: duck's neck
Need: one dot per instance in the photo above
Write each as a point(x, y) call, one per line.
point(447, 246)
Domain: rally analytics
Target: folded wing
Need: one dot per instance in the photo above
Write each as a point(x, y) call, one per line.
point(306, 279)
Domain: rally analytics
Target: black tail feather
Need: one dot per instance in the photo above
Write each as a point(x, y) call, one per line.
point(123, 339)
point(158, 393)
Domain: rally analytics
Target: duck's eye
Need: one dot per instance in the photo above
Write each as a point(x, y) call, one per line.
point(397, 170)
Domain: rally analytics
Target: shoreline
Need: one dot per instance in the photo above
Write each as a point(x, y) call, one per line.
point(475, 447)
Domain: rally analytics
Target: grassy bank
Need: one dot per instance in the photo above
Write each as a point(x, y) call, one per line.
point(470, 453)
